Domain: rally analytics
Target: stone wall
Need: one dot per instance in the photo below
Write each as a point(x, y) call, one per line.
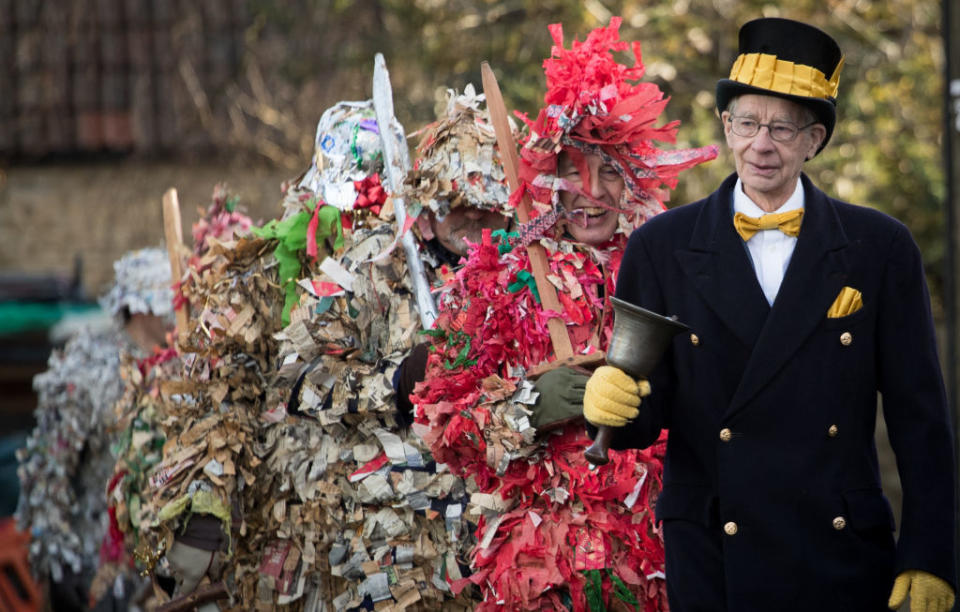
point(53, 213)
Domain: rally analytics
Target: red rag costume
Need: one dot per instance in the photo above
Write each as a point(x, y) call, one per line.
point(552, 533)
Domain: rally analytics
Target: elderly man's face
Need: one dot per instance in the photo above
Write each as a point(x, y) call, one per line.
point(769, 169)
point(465, 223)
point(146, 330)
point(591, 224)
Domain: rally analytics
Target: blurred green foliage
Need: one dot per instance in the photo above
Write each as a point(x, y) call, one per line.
point(885, 153)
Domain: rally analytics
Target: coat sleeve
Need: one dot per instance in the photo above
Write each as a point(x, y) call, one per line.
point(915, 409)
point(637, 283)
point(412, 370)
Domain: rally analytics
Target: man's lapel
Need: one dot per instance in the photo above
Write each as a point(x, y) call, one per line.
point(719, 267)
point(815, 275)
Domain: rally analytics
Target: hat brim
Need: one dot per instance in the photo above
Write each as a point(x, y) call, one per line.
point(825, 110)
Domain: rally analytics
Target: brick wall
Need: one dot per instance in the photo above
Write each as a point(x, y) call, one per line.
point(80, 76)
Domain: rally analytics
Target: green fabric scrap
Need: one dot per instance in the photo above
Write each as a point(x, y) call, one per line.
point(291, 237)
point(620, 590)
point(525, 279)
point(173, 508)
point(504, 239)
point(352, 310)
point(323, 305)
point(461, 359)
point(593, 590)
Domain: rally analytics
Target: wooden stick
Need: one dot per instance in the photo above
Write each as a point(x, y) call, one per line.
point(559, 338)
point(204, 594)
point(173, 233)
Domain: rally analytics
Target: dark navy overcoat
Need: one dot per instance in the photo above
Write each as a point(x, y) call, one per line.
point(771, 495)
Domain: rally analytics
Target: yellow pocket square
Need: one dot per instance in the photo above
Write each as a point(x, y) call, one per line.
point(848, 302)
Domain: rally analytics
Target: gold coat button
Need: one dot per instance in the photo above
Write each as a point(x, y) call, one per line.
point(730, 528)
point(725, 434)
point(839, 523)
point(846, 338)
point(694, 339)
point(832, 431)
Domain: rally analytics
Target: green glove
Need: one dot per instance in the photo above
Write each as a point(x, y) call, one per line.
point(561, 397)
point(928, 593)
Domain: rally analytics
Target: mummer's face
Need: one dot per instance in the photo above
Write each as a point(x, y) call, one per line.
point(465, 223)
point(590, 223)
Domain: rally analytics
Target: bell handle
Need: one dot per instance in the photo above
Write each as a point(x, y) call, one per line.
point(596, 453)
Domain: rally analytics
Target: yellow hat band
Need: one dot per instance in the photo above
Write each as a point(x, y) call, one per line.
point(782, 76)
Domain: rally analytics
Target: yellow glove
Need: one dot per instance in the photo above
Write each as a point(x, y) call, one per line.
point(612, 397)
point(927, 592)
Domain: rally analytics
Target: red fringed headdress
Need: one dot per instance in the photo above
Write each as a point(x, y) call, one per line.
point(595, 105)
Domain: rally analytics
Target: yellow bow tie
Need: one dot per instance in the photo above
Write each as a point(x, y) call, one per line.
point(788, 223)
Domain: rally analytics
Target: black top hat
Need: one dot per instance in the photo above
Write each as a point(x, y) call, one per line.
point(789, 59)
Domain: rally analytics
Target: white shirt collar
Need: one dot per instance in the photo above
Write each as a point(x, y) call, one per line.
point(743, 204)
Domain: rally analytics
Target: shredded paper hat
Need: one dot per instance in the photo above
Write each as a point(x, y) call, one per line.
point(142, 284)
point(347, 149)
point(458, 164)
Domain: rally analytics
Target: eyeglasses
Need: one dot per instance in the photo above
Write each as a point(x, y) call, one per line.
point(781, 131)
